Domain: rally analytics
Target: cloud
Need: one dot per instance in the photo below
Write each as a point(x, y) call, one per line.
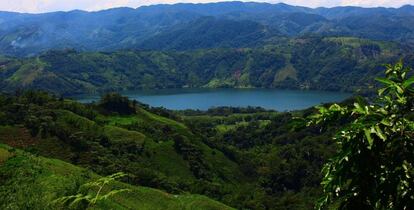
point(371, 3)
point(361, 3)
point(37, 6)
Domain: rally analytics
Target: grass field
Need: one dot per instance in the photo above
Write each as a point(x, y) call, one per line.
point(35, 182)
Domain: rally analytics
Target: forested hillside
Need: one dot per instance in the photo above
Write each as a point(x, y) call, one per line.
point(216, 24)
point(243, 157)
point(330, 63)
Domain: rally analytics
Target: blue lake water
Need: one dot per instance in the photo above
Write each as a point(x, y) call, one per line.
point(203, 99)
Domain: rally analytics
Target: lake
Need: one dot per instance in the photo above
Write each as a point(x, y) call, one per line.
point(203, 99)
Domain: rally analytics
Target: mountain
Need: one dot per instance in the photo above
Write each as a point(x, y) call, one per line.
point(223, 8)
point(109, 29)
point(330, 63)
point(166, 26)
point(209, 32)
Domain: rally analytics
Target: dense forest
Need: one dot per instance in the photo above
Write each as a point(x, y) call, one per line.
point(118, 153)
point(330, 63)
point(246, 158)
point(243, 157)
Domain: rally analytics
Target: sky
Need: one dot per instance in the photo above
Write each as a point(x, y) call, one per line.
point(40, 6)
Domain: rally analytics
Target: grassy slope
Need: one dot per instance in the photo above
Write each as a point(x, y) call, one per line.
point(165, 151)
point(158, 154)
point(35, 182)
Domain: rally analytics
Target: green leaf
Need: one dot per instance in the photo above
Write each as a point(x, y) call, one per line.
point(321, 109)
point(359, 108)
point(369, 138)
point(379, 133)
point(386, 122)
point(399, 65)
point(385, 81)
point(408, 82)
point(113, 192)
point(389, 68)
point(399, 89)
point(382, 90)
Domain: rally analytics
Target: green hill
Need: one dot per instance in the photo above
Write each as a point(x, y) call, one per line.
point(35, 182)
point(243, 157)
point(156, 151)
point(331, 63)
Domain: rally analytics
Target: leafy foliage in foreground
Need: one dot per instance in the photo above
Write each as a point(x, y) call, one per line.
point(87, 198)
point(374, 166)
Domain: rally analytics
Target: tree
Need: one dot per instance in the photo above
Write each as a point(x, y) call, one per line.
point(374, 165)
point(115, 103)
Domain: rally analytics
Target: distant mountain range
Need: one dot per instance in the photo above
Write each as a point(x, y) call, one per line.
point(196, 26)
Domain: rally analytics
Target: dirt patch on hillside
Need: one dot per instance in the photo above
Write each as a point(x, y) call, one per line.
point(18, 137)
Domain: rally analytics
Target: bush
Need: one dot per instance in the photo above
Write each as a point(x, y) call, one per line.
point(374, 166)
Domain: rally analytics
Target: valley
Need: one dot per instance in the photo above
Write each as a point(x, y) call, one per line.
point(197, 152)
point(206, 106)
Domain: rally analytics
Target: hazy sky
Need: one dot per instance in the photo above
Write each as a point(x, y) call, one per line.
point(37, 6)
